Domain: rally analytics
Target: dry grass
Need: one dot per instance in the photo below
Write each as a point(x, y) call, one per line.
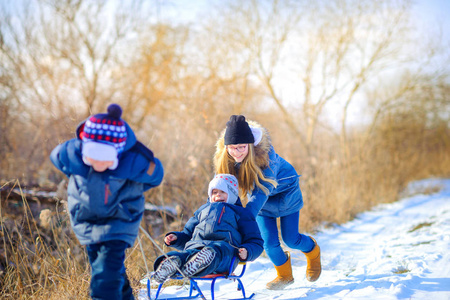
point(40, 258)
point(368, 172)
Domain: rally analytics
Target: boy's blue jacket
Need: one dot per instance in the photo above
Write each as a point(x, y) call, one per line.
point(107, 205)
point(223, 225)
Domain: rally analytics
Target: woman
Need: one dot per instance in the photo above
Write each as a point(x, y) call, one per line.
point(272, 189)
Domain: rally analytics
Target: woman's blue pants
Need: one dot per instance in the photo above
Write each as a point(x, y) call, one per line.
point(289, 233)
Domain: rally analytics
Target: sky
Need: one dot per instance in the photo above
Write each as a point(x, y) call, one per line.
point(395, 251)
point(433, 10)
point(187, 10)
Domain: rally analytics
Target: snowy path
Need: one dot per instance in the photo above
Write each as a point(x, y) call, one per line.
point(396, 251)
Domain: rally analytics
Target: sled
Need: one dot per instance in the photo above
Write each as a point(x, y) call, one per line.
point(196, 292)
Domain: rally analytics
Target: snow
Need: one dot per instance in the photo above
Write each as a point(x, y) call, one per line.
point(395, 251)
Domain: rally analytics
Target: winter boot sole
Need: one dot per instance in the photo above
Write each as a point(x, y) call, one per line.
point(199, 262)
point(167, 268)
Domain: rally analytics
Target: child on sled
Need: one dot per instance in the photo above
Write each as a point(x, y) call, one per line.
point(219, 230)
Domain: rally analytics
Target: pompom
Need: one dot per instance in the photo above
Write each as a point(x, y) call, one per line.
point(115, 111)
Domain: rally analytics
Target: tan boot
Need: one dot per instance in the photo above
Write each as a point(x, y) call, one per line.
point(284, 276)
point(313, 267)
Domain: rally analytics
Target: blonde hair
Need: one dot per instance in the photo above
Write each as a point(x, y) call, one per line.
point(250, 172)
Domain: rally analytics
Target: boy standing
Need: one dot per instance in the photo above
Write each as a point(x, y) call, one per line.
point(108, 170)
point(218, 231)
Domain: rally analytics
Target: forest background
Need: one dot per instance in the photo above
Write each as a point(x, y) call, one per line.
point(355, 94)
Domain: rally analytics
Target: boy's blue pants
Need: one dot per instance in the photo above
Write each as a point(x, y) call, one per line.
point(289, 233)
point(109, 279)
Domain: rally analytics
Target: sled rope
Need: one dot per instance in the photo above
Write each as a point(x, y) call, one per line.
point(143, 256)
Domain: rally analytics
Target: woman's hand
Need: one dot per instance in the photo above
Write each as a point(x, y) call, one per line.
point(169, 239)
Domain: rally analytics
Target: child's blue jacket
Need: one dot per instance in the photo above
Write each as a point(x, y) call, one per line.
point(223, 225)
point(107, 205)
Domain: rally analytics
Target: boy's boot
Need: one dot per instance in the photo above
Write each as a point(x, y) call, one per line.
point(284, 275)
point(167, 268)
point(313, 267)
point(199, 261)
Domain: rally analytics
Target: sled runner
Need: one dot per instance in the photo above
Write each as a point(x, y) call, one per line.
point(196, 292)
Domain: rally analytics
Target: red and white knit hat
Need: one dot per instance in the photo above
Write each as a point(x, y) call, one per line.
point(227, 183)
point(106, 128)
point(104, 136)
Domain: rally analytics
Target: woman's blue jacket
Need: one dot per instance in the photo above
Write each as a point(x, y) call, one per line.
point(283, 200)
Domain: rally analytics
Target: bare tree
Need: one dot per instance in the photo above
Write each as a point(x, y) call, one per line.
point(60, 58)
point(65, 51)
point(325, 52)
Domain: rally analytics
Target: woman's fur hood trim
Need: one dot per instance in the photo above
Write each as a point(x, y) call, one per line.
point(261, 150)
